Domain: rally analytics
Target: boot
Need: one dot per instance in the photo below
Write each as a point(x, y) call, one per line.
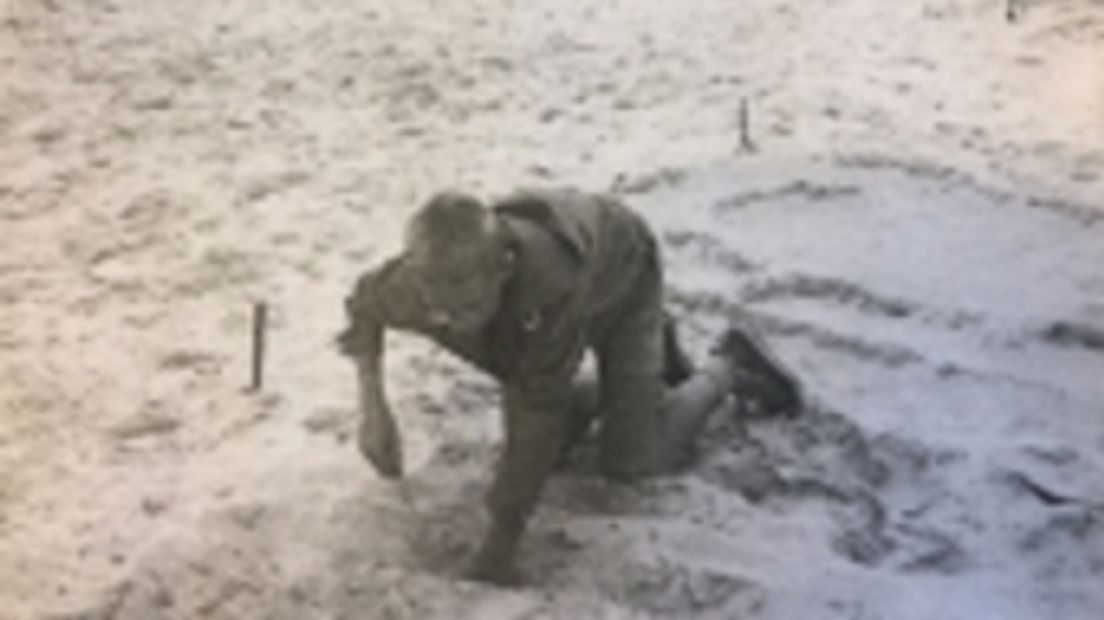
point(763, 385)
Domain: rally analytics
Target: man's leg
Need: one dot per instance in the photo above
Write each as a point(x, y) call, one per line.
point(634, 424)
point(648, 427)
point(653, 403)
point(689, 405)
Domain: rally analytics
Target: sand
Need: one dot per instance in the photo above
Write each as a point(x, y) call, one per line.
point(915, 222)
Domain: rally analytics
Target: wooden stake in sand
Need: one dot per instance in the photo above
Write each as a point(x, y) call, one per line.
point(260, 318)
point(745, 127)
point(1011, 11)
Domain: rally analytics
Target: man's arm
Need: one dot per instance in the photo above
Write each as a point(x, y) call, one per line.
point(536, 416)
point(363, 342)
point(537, 403)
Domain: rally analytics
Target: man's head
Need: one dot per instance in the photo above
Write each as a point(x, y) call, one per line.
point(461, 260)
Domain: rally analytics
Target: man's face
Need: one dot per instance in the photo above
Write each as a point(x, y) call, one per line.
point(461, 289)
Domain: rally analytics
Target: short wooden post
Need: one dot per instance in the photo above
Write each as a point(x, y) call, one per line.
point(260, 318)
point(746, 143)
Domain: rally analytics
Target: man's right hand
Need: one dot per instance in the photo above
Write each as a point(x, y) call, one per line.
point(379, 438)
point(380, 443)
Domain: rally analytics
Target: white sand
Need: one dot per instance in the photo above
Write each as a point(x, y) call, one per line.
point(920, 233)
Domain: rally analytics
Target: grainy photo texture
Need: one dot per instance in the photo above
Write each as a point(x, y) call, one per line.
point(367, 309)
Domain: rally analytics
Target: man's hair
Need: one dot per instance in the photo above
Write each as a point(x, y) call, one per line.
point(450, 220)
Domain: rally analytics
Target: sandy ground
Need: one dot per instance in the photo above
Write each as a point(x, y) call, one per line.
point(918, 230)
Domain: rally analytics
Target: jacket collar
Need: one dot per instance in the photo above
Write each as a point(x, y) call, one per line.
point(550, 215)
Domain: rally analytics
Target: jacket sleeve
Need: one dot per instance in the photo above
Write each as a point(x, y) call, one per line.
point(382, 298)
point(372, 306)
point(536, 404)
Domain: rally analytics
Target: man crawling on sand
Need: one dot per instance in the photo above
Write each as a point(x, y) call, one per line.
point(522, 289)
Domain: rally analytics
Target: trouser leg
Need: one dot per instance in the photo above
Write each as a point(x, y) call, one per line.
point(648, 425)
point(690, 404)
point(634, 435)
